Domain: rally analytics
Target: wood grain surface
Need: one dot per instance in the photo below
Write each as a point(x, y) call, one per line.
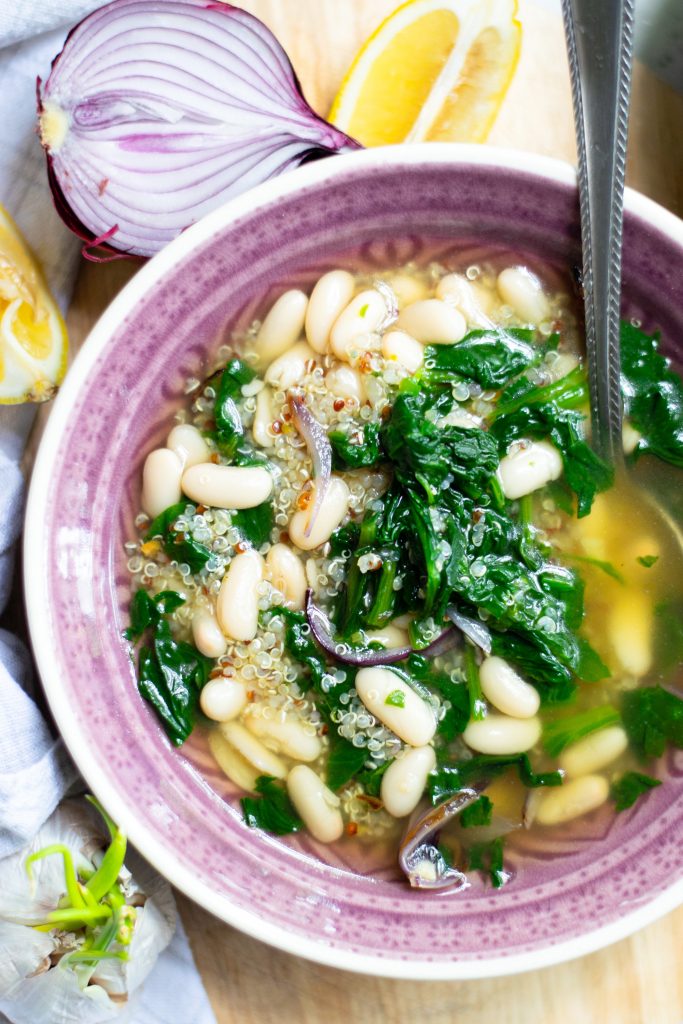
point(637, 981)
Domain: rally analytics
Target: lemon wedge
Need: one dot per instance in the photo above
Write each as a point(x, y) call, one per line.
point(435, 70)
point(33, 339)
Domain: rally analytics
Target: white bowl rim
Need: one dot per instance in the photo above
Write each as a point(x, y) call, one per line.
point(142, 838)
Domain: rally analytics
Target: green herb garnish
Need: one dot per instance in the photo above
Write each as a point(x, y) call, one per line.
point(478, 813)
point(652, 718)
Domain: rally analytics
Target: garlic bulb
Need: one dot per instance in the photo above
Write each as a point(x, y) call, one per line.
point(110, 923)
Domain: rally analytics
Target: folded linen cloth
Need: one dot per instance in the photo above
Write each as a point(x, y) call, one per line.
point(35, 769)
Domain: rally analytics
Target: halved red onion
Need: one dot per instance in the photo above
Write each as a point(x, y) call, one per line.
point(320, 450)
point(157, 111)
point(323, 633)
point(474, 629)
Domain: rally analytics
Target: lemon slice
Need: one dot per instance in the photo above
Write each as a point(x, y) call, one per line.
point(435, 70)
point(33, 339)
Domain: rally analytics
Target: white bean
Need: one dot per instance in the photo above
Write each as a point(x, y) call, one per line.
point(161, 476)
point(630, 438)
point(629, 627)
point(237, 604)
point(389, 636)
point(571, 800)
point(287, 575)
point(252, 750)
point(432, 322)
point(227, 486)
point(345, 382)
point(263, 418)
point(472, 300)
point(406, 713)
point(284, 734)
point(290, 368)
point(230, 761)
point(362, 317)
point(407, 288)
point(223, 699)
point(522, 290)
point(563, 364)
point(331, 294)
point(402, 348)
point(281, 326)
point(334, 507)
point(500, 734)
point(594, 751)
point(506, 690)
point(528, 468)
point(317, 805)
point(188, 444)
point(207, 634)
point(404, 781)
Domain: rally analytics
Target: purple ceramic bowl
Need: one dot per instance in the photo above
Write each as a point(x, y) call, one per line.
point(603, 878)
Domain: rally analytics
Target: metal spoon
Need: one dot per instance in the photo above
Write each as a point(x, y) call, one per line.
point(600, 49)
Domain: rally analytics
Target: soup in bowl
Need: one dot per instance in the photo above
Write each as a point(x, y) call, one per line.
point(325, 461)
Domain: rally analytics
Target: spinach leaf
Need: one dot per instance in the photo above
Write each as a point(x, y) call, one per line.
point(630, 787)
point(272, 810)
point(652, 718)
point(143, 614)
point(345, 761)
point(564, 731)
point(229, 429)
point(647, 561)
point(371, 778)
point(255, 524)
point(145, 611)
point(653, 395)
point(490, 357)
point(170, 673)
point(181, 547)
point(435, 456)
point(450, 777)
point(356, 447)
point(554, 411)
point(488, 857)
point(478, 813)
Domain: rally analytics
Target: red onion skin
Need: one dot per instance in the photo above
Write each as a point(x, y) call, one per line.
point(327, 142)
point(322, 634)
point(320, 451)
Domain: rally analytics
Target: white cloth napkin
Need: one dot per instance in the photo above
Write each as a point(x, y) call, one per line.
point(35, 769)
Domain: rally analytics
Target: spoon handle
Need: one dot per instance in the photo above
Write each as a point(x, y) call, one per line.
point(600, 48)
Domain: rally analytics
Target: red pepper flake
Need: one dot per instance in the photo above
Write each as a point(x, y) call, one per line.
point(201, 509)
point(241, 546)
point(287, 416)
point(324, 729)
point(215, 673)
point(476, 515)
point(557, 326)
point(339, 404)
point(251, 695)
point(215, 458)
point(351, 828)
point(365, 362)
point(284, 536)
point(386, 412)
point(276, 427)
point(304, 499)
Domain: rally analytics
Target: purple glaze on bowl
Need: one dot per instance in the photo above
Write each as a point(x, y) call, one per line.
point(607, 876)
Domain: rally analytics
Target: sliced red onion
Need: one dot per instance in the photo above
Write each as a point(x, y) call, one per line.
point(157, 111)
point(391, 303)
point(323, 633)
point(419, 857)
point(320, 450)
point(474, 629)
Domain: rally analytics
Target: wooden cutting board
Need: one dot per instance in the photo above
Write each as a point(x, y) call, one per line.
point(637, 981)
